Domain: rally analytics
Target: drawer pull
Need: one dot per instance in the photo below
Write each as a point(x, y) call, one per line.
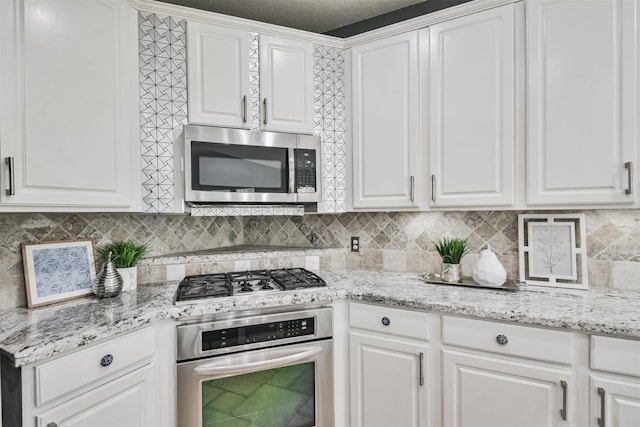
point(601, 393)
point(502, 339)
point(386, 321)
point(106, 360)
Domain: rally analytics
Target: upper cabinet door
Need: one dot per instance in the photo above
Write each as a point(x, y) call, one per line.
point(385, 122)
point(218, 75)
point(582, 101)
point(286, 85)
point(473, 109)
point(69, 111)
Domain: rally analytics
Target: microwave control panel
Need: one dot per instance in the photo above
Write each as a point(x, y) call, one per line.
point(305, 170)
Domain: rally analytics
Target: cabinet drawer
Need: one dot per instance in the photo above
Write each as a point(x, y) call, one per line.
point(412, 324)
point(508, 339)
point(618, 355)
point(69, 373)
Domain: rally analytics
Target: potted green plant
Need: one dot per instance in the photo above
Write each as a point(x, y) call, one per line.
point(125, 256)
point(451, 251)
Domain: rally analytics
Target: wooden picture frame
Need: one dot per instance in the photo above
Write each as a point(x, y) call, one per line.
point(552, 250)
point(58, 270)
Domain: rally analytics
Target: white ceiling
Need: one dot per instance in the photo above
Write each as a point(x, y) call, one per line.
point(318, 16)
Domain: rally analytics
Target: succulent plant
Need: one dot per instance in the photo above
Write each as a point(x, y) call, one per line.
point(451, 250)
point(124, 254)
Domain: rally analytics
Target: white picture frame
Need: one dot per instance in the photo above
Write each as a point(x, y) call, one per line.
point(58, 270)
point(552, 250)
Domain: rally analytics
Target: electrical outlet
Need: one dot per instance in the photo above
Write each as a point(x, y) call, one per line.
point(355, 244)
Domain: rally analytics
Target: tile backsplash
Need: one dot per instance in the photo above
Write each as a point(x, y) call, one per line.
point(389, 241)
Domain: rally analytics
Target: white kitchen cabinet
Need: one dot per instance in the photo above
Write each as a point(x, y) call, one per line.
point(387, 371)
point(488, 391)
point(388, 76)
point(218, 75)
point(614, 402)
point(286, 85)
point(504, 375)
point(126, 401)
point(582, 119)
point(473, 101)
point(69, 111)
point(614, 382)
point(125, 381)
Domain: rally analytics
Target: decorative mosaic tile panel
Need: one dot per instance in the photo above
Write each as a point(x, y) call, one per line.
point(254, 82)
point(163, 104)
point(248, 210)
point(329, 123)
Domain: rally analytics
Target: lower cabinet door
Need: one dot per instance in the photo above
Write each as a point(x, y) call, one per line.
point(614, 402)
point(483, 391)
point(129, 401)
point(388, 386)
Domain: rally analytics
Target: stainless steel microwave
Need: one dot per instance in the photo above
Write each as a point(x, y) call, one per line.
point(223, 165)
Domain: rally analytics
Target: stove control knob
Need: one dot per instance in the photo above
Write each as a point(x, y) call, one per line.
point(386, 321)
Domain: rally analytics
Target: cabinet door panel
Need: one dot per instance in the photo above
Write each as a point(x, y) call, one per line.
point(619, 399)
point(472, 96)
point(481, 391)
point(70, 115)
point(582, 115)
point(218, 72)
point(385, 382)
point(286, 73)
point(128, 401)
point(385, 129)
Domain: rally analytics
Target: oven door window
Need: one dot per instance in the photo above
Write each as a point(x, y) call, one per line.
point(271, 398)
point(239, 168)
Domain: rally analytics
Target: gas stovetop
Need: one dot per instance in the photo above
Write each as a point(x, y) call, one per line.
point(245, 283)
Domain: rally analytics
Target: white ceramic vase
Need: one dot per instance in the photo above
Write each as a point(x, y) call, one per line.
point(129, 278)
point(488, 271)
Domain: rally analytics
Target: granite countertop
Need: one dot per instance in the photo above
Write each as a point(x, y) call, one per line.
point(29, 336)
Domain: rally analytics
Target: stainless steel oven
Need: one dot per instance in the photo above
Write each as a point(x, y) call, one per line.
point(224, 165)
point(257, 369)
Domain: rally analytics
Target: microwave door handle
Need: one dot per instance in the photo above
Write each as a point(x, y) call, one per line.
point(214, 369)
point(292, 170)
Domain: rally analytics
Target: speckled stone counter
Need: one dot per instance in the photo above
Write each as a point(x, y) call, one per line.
point(29, 336)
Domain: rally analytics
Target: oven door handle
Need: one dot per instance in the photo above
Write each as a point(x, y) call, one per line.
point(216, 369)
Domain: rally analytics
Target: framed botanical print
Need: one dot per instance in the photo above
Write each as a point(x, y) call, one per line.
point(552, 250)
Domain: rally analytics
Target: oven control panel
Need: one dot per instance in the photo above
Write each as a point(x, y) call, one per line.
point(251, 334)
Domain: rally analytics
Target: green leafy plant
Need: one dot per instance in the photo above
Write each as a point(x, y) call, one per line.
point(124, 254)
point(451, 250)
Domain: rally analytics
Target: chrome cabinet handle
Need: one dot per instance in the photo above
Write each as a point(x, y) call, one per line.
point(433, 188)
point(106, 360)
point(412, 185)
point(264, 105)
point(502, 339)
point(11, 191)
point(629, 167)
point(601, 393)
point(563, 411)
point(421, 360)
point(244, 109)
point(386, 321)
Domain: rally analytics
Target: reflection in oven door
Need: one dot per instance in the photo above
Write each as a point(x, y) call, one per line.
point(290, 385)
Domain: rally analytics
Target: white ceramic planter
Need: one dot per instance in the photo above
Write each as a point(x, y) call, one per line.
point(129, 278)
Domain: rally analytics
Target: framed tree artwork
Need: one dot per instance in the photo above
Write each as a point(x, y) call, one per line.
point(552, 250)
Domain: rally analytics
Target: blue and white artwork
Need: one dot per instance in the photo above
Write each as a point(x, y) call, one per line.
point(61, 270)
